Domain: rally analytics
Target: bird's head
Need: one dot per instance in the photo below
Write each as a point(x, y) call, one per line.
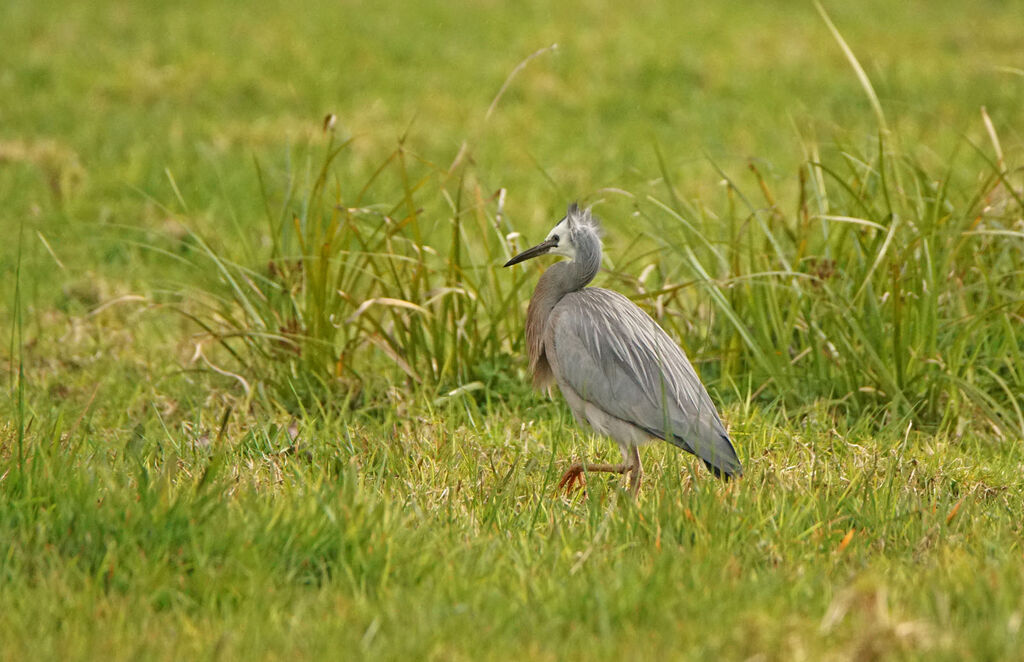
point(577, 231)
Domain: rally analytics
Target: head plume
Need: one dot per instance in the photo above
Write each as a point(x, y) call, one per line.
point(583, 218)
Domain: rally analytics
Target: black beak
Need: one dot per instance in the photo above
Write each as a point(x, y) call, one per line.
point(540, 249)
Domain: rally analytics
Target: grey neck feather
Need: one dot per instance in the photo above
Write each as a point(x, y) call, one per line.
point(558, 280)
point(564, 277)
point(561, 278)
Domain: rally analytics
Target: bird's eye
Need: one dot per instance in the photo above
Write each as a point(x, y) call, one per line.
point(555, 237)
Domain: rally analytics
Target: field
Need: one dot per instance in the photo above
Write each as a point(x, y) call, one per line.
point(266, 391)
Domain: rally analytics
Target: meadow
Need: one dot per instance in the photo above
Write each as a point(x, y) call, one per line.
point(266, 394)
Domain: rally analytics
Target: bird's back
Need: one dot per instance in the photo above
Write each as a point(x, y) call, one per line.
point(616, 358)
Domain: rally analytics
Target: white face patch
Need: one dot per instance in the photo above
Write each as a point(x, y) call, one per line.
point(564, 247)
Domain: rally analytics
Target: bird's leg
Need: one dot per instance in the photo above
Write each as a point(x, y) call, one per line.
point(575, 473)
point(638, 471)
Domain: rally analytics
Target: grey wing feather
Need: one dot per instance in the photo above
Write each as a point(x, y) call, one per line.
point(616, 357)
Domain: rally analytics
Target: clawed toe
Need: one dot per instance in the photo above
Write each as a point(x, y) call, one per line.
point(571, 479)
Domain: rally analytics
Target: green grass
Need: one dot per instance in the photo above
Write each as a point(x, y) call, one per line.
point(352, 463)
point(440, 538)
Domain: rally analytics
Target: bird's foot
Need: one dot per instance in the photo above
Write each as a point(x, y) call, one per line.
point(572, 478)
point(575, 474)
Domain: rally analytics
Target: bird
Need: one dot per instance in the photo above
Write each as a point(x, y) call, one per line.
point(620, 373)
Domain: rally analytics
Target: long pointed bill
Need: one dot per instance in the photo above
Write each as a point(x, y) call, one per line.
point(540, 249)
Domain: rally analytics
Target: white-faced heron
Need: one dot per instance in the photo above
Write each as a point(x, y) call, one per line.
point(619, 371)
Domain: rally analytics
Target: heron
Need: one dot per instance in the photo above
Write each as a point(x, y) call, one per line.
point(618, 370)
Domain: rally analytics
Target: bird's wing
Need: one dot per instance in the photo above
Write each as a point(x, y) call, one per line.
point(617, 358)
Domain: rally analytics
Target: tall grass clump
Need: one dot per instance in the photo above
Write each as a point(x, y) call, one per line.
point(887, 287)
point(355, 287)
point(891, 288)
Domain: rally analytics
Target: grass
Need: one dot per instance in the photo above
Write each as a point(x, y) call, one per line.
point(446, 541)
point(868, 290)
point(267, 390)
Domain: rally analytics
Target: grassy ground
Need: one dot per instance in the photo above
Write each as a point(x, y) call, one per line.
point(442, 538)
point(212, 449)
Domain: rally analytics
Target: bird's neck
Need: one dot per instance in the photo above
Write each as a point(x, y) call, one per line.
point(558, 280)
point(569, 276)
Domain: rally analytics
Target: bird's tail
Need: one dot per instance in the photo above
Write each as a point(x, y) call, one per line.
point(718, 454)
point(720, 458)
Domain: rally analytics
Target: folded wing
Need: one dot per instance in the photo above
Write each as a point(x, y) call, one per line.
point(616, 357)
